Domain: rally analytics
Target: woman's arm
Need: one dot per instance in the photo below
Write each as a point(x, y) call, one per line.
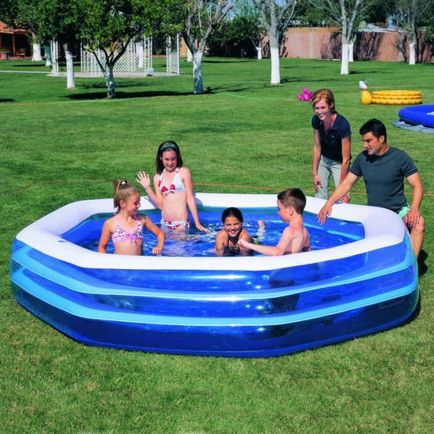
point(315, 160)
point(191, 201)
point(144, 180)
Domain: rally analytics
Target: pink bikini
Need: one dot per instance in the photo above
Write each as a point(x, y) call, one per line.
point(120, 234)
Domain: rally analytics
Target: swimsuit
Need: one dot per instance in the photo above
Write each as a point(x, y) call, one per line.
point(233, 250)
point(177, 185)
point(174, 225)
point(120, 234)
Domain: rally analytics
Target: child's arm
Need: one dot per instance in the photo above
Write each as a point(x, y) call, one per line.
point(279, 250)
point(144, 180)
point(147, 223)
point(191, 201)
point(105, 237)
point(246, 237)
point(220, 242)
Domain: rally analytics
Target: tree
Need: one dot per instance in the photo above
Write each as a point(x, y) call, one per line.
point(201, 17)
point(347, 14)
point(409, 14)
point(248, 18)
point(276, 16)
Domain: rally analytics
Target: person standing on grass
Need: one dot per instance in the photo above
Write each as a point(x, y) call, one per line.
point(332, 144)
point(173, 190)
point(383, 169)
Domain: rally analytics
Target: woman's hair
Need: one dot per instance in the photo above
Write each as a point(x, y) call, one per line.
point(168, 145)
point(293, 197)
point(232, 212)
point(327, 95)
point(122, 190)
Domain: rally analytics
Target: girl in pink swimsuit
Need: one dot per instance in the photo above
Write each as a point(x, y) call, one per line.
point(173, 190)
point(126, 227)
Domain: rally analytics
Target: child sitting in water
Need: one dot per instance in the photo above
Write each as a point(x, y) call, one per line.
point(295, 237)
point(227, 240)
point(126, 227)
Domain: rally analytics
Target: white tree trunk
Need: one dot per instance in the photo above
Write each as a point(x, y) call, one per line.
point(140, 53)
point(189, 56)
point(197, 72)
point(70, 81)
point(412, 53)
point(47, 52)
point(36, 49)
point(110, 82)
point(259, 51)
point(345, 59)
point(351, 52)
point(275, 59)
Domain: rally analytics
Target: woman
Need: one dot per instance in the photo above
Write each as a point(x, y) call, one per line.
point(332, 144)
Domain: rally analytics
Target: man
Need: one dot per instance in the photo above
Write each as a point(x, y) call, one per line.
point(383, 169)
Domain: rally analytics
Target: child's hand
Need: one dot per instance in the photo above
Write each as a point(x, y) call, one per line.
point(144, 180)
point(157, 250)
point(243, 243)
point(202, 228)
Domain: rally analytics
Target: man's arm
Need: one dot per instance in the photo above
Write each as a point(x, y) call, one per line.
point(343, 188)
point(413, 216)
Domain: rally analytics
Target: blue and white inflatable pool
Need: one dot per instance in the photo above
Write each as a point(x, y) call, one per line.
point(252, 306)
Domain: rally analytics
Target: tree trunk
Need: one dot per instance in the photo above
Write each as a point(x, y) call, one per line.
point(412, 53)
point(140, 54)
point(70, 81)
point(189, 56)
point(197, 72)
point(36, 49)
point(345, 57)
point(351, 52)
point(275, 59)
point(47, 52)
point(110, 82)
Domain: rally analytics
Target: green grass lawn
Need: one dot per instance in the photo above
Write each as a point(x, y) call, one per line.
point(243, 135)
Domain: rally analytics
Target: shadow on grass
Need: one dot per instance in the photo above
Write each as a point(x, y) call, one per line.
point(124, 95)
point(6, 100)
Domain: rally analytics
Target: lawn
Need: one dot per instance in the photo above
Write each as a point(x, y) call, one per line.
point(242, 136)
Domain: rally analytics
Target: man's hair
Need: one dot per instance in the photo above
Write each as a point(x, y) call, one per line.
point(293, 197)
point(374, 126)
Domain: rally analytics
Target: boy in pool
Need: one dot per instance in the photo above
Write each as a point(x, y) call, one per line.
point(295, 237)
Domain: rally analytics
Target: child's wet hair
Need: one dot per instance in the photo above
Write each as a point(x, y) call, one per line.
point(122, 190)
point(327, 96)
point(293, 197)
point(232, 212)
point(168, 145)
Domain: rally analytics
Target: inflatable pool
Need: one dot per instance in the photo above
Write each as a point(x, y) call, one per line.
point(419, 115)
point(252, 306)
point(396, 97)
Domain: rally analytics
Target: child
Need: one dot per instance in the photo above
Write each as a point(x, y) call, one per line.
point(226, 242)
point(126, 227)
point(295, 237)
point(173, 189)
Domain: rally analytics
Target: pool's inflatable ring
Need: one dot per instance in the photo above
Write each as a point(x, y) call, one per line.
point(396, 97)
point(389, 97)
point(252, 306)
point(421, 115)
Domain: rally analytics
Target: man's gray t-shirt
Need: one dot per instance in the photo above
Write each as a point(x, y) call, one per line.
point(384, 177)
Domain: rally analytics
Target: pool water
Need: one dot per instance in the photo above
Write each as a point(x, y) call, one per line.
point(333, 233)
